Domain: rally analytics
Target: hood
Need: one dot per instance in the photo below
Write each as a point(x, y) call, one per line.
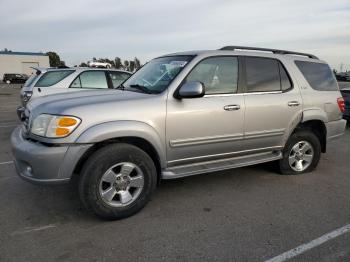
point(56, 103)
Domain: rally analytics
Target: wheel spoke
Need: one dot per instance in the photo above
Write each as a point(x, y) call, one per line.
point(299, 165)
point(109, 193)
point(292, 160)
point(125, 197)
point(306, 147)
point(308, 158)
point(109, 177)
point(136, 181)
point(296, 147)
point(126, 169)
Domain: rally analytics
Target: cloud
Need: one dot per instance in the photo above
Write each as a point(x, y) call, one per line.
point(81, 29)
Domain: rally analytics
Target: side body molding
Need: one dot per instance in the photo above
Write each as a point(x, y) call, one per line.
point(125, 128)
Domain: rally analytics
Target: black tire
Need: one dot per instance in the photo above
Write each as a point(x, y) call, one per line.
point(302, 135)
point(98, 163)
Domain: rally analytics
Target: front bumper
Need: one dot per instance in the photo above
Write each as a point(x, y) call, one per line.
point(335, 128)
point(44, 164)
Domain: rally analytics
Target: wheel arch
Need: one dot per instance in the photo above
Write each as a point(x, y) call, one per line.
point(135, 133)
point(317, 127)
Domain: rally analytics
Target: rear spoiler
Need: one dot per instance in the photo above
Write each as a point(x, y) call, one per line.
point(39, 70)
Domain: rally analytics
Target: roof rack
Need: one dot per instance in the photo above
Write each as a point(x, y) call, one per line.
point(275, 51)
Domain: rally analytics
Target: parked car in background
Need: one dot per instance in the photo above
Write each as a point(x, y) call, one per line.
point(15, 78)
point(47, 81)
point(343, 76)
point(183, 114)
point(99, 64)
point(346, 95)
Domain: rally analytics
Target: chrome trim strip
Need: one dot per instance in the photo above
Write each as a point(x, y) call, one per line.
point(205, 140)
point(218, 95)
point(265, 133)
point(218, 156)
point(264, 93)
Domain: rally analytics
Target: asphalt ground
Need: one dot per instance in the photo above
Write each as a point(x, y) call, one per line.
point(244, 214)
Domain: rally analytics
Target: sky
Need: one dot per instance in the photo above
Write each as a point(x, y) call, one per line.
point(81, 29)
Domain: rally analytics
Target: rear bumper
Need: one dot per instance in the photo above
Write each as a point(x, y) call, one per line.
point(335, 129)
point(44, 164)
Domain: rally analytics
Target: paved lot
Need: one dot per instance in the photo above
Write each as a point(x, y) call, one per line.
point(245, 214)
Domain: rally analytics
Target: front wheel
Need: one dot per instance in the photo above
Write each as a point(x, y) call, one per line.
point(117, 181)
point(301, 153)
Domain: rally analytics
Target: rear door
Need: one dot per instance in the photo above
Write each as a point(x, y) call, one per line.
point(272, 103)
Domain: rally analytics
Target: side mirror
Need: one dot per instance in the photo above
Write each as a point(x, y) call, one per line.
point(192, 89)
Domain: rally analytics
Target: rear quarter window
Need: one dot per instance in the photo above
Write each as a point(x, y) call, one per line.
point(318, 75)
point(53, 77)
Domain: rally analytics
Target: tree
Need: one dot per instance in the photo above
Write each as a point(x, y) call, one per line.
point(118, 63)
point(83, 64)
point(137, 63)
point(54, 59)
point(131, 66)
point(126, 64)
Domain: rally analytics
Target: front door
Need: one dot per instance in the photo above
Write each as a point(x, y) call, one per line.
point(210, 127)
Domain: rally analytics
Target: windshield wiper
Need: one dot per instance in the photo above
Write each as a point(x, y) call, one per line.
point(142, 88)
point(121, 87)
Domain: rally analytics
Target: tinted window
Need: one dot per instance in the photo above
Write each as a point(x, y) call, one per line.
point(31, 80)
point(319, 76)
point(218, 74)
point(53, 77)
point(118, 78)
point(90, 79)
point(262, 74)
point(285, 81)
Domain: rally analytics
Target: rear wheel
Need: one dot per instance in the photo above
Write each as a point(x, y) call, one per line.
point(117, 181)
point(301, 153)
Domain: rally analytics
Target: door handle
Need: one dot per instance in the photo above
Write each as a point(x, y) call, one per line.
point(293, 103)
point(232, 107)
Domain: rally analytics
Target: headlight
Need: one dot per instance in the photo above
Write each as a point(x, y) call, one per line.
point(52, 126)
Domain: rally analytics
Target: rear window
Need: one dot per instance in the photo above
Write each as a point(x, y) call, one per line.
point(318, 75)
point(31, 80)
point(53, 77)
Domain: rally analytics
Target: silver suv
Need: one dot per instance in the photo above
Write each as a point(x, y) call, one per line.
point(181, 114)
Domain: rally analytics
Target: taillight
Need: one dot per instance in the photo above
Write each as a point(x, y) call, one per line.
point(341, 104)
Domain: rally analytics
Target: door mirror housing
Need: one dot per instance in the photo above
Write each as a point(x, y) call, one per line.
point(191, 89)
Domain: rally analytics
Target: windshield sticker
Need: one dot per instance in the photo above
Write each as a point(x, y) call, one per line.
point(178, 63)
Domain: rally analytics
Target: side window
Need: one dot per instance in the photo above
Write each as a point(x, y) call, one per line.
point(318, 75)
point(76, 83)
point(90, 79)
point(218, 74)
point(53, 77)
point(118, 77)
point(262, 74)
point(285, 81)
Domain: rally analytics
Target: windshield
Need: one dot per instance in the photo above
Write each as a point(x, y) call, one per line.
point(156, 76)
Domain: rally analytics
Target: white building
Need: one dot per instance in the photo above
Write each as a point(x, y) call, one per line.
point(21, 62)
